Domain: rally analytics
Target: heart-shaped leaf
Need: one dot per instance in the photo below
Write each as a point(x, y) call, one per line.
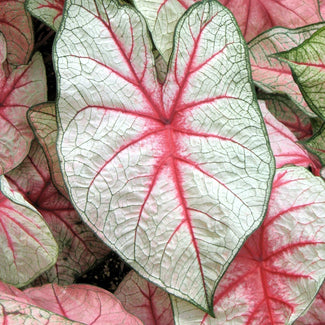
point(79, 248)
point(174, 177)
point(16, 25)
point(307, 62)
point(144, 300)
point(276, 275)
point(42, 119)
point(48, 11)
point(269, 73)
point(24, 87)
point(27, 245)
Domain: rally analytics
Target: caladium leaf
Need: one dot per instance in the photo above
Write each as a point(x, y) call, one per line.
point(316, 313)
point(308, 67)
point(280, 268)
point(284, 144)
point(316, 144)
point(79, 248)
point(254, 17)
point(81, 302)
point(42, 119)
point(144, 300)
point(289, 114)
point(174, 177)
point(27, 245)
point(24, 87)
point(16, 25)
point(269, 73)
point(48, 11)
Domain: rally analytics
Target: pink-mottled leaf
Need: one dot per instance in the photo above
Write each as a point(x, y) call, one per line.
point(16, 25)
point(48, 11)
point(284, 143)
point(22, 88)
point(42, 119)
point(290, 115)
point(144, 300)
point(279, 270)
point(316, 313)
point(79, 248)
point(27, 247)
point(81, 302)
point(256, 16)
point(307, 63)
point(174, 177)
point(269, 73)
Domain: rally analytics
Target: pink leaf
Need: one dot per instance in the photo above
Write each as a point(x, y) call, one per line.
point(280, 268)
point(24, 87)
point(256, 16)
point(83, 303)
point(16, 25)
point(79, 248)
point(144, 300)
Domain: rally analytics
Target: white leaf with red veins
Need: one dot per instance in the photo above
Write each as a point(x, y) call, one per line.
point(277, 273)
point(22, 88)
point(269, 73)
point(79, 248)
point(174, 177)
point(48, 11)
point(27, 245)
point(256, 16)
point(16, 25)
point(144, 300)
point(284, 144)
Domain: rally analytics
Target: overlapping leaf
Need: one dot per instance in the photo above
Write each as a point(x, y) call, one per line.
point(289, 114)
point(316, 144)
point(144, 300)
point(272, 75)
point(174, 177)
point(48, 11)
point(79, 248)
point(307, 62)
point(22, 88)
point(52, 304)
point(42, 118)
point(284, 144)
point(27, 247)
point(279, 270)
point(316, 313)
point(16, 25)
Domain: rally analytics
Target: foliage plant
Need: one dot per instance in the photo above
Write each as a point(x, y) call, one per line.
point(188, 137)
